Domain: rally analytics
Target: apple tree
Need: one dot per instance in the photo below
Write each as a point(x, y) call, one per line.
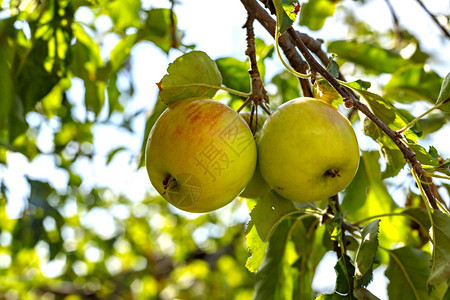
point(67, 235)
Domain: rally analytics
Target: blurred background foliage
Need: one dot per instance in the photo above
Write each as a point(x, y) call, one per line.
point(85, 241)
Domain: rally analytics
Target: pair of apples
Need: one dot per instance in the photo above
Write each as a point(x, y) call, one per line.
point(201, 154)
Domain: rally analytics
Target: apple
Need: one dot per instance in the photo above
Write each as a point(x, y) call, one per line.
point(257, 186)
point(200, 155)
point(307, 150)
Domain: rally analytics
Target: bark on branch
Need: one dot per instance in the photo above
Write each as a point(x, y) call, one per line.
point(263, 17)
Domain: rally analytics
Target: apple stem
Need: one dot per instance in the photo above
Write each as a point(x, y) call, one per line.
point(258, 95)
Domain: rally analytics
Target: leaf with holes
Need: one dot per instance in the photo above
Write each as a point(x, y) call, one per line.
point(256, 246)
point(269, 212)
point(286, 11)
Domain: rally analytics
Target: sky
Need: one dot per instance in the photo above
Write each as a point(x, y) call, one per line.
point(219, 35)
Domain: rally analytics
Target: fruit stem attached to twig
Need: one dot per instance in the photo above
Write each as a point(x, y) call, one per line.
point(258, 95)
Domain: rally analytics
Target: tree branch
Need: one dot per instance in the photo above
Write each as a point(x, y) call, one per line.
point(173, 27)
point(444, 30)
point(258, 95)
point(348, 96)
point(396, 29)
point(408, 154)
point(284, 41)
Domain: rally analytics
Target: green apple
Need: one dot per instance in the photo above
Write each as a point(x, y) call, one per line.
point(307, 150)
point(200, 155)
point(257, 186)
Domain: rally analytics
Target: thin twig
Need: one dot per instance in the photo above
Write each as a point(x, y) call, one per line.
point(396, 29)
point(258, 94)
point(173, 27)
point(284, 41)
point(348, 96)
point(444, 30)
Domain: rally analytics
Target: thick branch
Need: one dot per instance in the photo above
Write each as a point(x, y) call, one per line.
point(347, 95)
point(284, 41)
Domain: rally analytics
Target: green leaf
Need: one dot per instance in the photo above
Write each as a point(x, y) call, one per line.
point(6, 83)
point(367, 278)
point(314, 13)
point(386, 112)
point(256, 247)
point(359, 84)
point(409, 269)
point(26, 144)
point(113, 95)
point(185, 75)
point(372, 198)
point(287, 88)
point(440, 268)
point(420, 216)
point(52, 102)
point(86, 59)
point(432, 123)
point(344, 281)
point(395, 161)
point(160, 30)
point(35, 81)
point(333, 68)
point(323, 90)
point(444, 167)
point(444, 94)
point(124, 14)
point(112, 153)
point(423, 156)
point(334, 226)
point(269, 212)
point(369, 56)
point(285, 13)
point(234, 73)
point(16, 120)
point(263, 51)
point(269, 278)
point(367, 249)
point(122, 51)
point(94, 97)
point(412, 82)
point(73, 131)
point(356, 192)
point(305, 236)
